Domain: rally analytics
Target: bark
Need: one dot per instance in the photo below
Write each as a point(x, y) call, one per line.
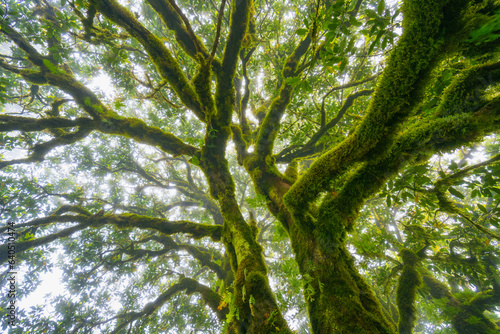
point(466, 317)
point(338, 298)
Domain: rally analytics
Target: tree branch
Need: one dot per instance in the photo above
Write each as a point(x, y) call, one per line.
point(161, 57)
point(30, 124)
point(309, 146)
point(210, 297)
point(110, 122)
point(397, 93)
point(41, 150)
point(100, 219)
point(415, 145)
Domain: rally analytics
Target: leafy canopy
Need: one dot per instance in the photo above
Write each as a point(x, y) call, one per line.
point(252, 166)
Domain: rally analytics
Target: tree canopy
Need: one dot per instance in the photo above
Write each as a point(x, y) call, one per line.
point(252, 166)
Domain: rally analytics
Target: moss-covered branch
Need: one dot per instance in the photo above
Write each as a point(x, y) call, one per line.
point(161, 225)
point(184, 39)
point(269, 129)
point(408, 283)
point(203, 255)
point(166, 64)
point(39, 151)
point(122, 221)
point(25, 245)
point(415, 145)
point(399, 89)
point(30, 124)
point(225, 94)
point(210, 297)
point(33, 55)
point(56, 217)
point(467, 317)
point(109, 121)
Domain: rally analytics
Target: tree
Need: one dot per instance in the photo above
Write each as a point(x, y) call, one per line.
point(229, 129)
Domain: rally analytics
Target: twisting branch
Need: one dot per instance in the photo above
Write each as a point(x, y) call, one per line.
point(390, 106)
point(219, 27)
point(345, 86)
point(415, 145)
point(41, 150)
point(310, 145)
point(269, 128)
point(187, 24)
point(124, 221)
point(210, 297)
point(184, 39)
point(161, 57)
point(110, 122)
point(203, 255)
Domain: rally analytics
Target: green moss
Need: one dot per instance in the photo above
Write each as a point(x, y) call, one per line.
point(291, 172)
point(202, 85)
point(261, 111)
point(408, 283)
point(141, 132)
point(339, 300)
point(464, 94)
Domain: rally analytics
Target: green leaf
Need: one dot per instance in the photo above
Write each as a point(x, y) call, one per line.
point(381, 7)
point(482, 208)
point(301, 32)
point(456, 193)
point(371, 13)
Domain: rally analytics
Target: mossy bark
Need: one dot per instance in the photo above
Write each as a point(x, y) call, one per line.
point(337, 297)
point(408, 283)
point(257, 310)
point(466, 317)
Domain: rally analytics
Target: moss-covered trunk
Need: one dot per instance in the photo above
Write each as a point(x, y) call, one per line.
point(338, 298)
point(254, 305)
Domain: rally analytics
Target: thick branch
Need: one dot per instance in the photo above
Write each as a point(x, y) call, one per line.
point(41, 150)
point(399, 90)
point(270, 126)
point(415, 145)
point(408, 283)
point(174, 22)
point(210, 297)
point(110, 122)
point(30, 124)
point(165, 63)
point(164, 226)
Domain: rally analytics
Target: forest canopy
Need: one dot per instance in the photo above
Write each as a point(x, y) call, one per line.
point(250, 166)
